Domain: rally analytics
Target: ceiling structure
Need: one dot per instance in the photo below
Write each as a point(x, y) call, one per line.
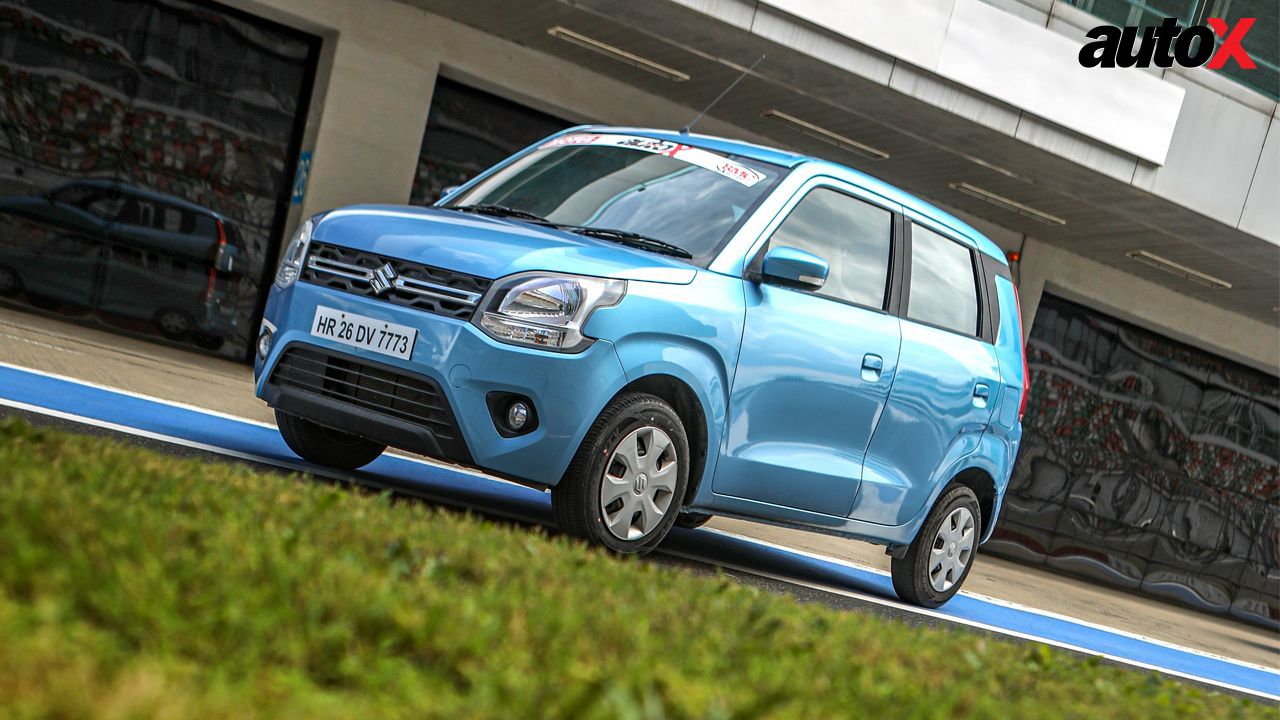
point(932, 152)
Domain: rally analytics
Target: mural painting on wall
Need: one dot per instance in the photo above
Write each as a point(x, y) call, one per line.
point(1147, 464)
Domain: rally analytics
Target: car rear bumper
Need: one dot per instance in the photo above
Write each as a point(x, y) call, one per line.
point(452, 360)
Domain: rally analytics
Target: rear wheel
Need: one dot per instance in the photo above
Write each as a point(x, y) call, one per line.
point(940, 558)
point(326, 446)
point(623, 488)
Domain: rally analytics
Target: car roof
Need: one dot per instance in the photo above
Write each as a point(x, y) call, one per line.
point(140, 192)
point(792, 160)
point(708, 142)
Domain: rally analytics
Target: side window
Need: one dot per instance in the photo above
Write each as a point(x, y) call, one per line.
point(170, 218)
point(140, 212)
point(854, 238)
point(73, 194)
point(200, 224)
point(106, 207)
point(944, 289)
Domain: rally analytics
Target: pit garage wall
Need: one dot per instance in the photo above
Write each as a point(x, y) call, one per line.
point(1152, 437)
point(1147, 464)
point(377, 72)
point(146, 150)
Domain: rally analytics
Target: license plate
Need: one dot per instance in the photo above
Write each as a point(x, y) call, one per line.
point(364, 332)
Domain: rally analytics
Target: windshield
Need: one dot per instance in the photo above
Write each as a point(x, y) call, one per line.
point(684, 196)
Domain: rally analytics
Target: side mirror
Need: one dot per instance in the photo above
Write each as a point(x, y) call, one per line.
point(794, 268)
point(227, 260)
point(446, 192)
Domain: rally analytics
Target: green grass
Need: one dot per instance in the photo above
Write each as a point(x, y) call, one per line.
point(137, 584)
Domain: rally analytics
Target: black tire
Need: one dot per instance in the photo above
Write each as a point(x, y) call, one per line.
point(577, 500)
point(913, 573)
point(173, 323)
point(326, 446)
point(10, 281)
point(207, 341)
point(693, 519)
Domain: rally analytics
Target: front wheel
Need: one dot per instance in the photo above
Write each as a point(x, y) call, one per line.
point(326, 446)
point(624, 488)
point(173, 323)
point(940, 558)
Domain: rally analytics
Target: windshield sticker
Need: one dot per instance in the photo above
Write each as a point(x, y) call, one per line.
point(704, 159)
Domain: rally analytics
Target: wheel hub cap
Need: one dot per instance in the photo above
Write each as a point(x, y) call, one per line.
point(639, 483)
point(952, 549)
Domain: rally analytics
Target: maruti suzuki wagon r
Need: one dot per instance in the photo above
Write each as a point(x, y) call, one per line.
point(662, 327)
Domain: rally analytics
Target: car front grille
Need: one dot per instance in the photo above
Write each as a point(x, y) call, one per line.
point(431, 289)
point(409, 398)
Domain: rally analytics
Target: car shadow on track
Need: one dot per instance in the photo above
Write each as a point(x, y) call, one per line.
point(489, 496)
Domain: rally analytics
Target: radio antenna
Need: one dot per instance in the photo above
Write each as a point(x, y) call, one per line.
point(689, 126)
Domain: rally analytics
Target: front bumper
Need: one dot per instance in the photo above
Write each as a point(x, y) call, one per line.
point(465, 365)
point(367, 398)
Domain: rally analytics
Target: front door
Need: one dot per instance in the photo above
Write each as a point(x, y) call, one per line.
point(815, 367)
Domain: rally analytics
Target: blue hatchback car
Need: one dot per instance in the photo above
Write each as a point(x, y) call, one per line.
point(662, 327)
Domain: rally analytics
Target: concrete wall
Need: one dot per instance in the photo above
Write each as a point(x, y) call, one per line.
point(1046, 268)
point(377, 72)
point(1012, 60)
point(1224, 159)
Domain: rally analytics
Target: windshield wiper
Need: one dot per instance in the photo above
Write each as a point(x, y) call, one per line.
point(500, 211)
point(626, 237)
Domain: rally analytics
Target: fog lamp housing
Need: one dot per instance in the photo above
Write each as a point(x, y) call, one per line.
point(265, 337)
point(513, 415)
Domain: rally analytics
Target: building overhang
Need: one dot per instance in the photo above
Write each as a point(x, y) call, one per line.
point(1030, 153)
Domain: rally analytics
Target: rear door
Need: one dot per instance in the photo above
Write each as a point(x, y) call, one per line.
point(948, 379)
point(815, 367)
point(156, 262)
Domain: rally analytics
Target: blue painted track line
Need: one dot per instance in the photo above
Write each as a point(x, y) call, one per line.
point(68, 397)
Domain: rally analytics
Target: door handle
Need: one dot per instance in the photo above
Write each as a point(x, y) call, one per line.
point(872, 366)
point(981, 395)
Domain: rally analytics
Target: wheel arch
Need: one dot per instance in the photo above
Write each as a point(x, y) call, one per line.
point(983, 486)
point(692, 412)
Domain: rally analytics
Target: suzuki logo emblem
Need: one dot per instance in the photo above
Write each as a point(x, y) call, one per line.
point(382, 279)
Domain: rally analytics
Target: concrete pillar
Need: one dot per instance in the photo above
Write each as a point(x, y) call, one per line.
point(372, 91)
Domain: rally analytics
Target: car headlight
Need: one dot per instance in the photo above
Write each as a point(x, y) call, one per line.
point(546, 311)
point(291, 259)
